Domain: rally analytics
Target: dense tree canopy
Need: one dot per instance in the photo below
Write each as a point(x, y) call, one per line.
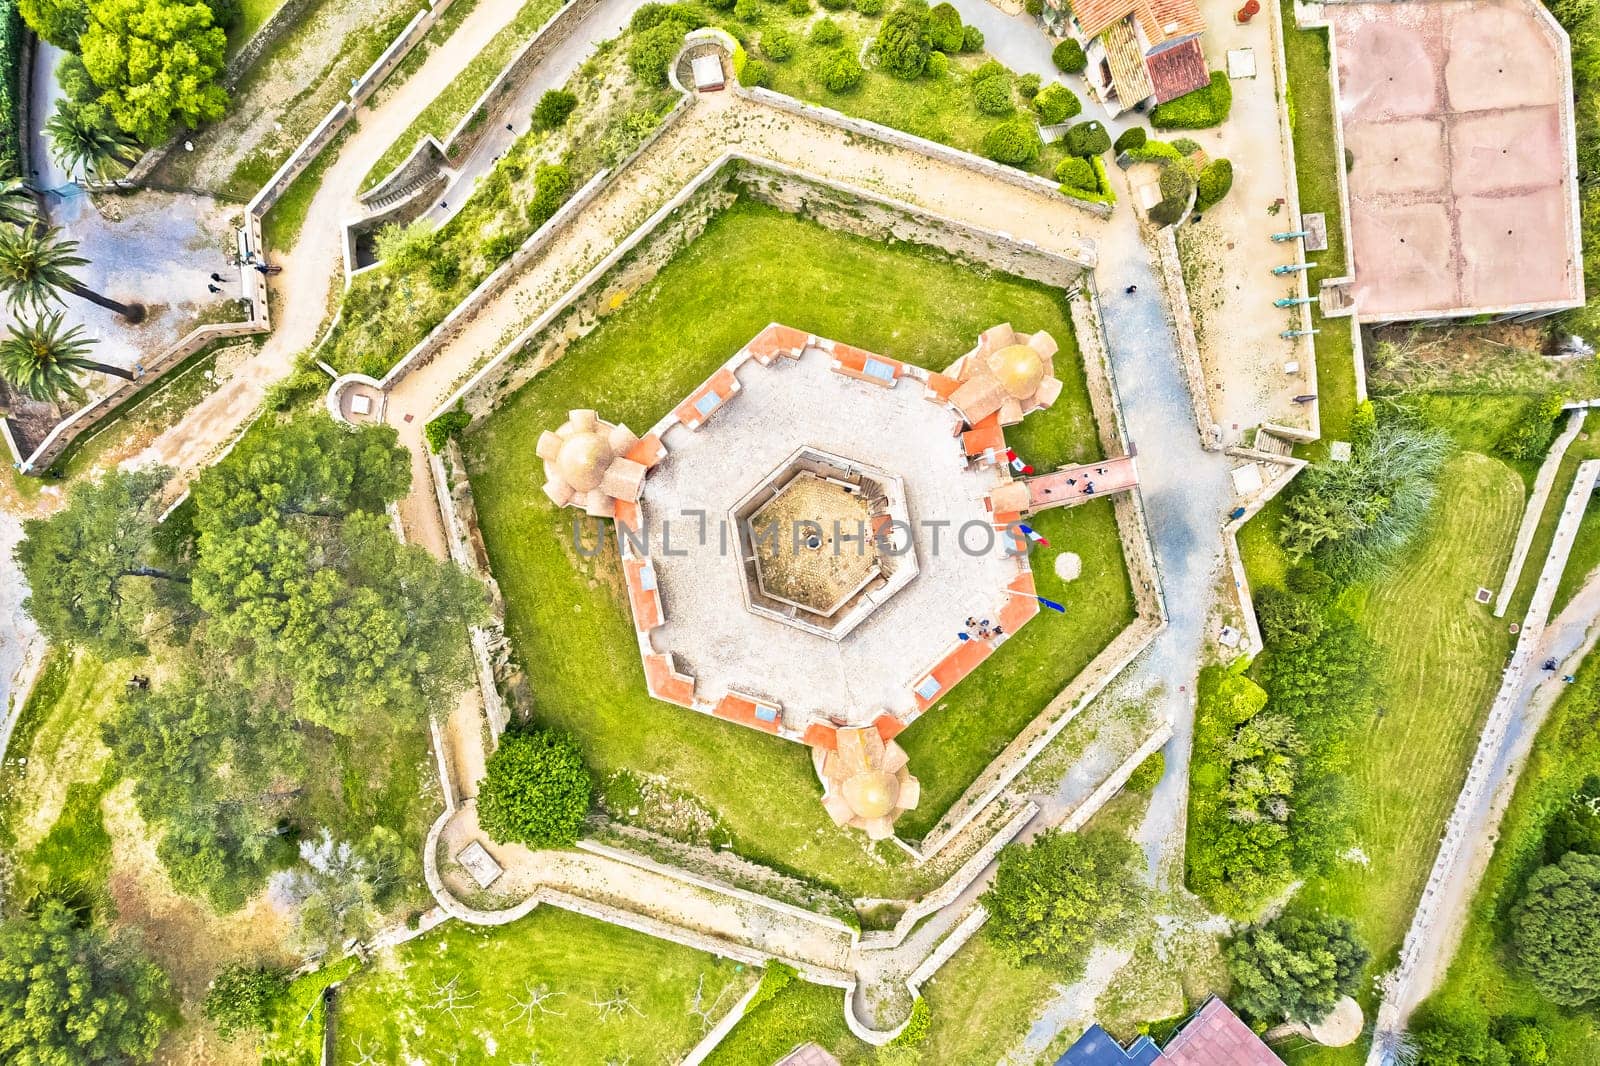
point(90, 566)
point(1052, 899)
point(535, 790)
point(904, 40)
point(1295, 968)
point(1555, 934)
point(157, 63)
point(57, 21)
point(69, 995)
point(300, 573)
point(243, 997)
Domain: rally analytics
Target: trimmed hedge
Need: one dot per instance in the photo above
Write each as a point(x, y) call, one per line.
point(1216, 178)
point(1132, 137)
point(1014, 141)
point(1198, 110)
point(826, 32)
point(1056, 103)
point(1084, 178)
point(840, 71)
point(778, 44)
point(1069, 58)
point(992, 93)
point(1087, 138)
point(945, 29)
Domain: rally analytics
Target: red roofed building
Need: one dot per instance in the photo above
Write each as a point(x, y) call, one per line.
point(1138, 50)
point(1214, 1036)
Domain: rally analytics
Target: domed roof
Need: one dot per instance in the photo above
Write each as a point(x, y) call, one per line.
point(872, 793)
point(1019, 368)
point(583, 460)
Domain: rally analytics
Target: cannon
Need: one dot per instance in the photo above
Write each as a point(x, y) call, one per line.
point(1291, 334)
point(1290, 235)
point(1290, 268)
point(1293, 301)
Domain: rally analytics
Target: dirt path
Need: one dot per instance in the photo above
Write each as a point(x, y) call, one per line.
point(312, 269)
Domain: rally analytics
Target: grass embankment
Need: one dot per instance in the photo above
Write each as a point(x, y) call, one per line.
point(1481, 976)
point(395, 1010)
point(1311, 120)
point(253, 14)
point(641, 360)
point(450, 106)
point(1440, 656)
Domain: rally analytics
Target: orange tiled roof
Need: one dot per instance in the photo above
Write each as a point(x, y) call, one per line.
point(888, 727)
point(943, 386)
point(1161, 20)
point(962, 660)
point(1126, 59)
point(646, 601)
point(986, 436)
point(852, 362)
point(647, 451)
point(778, 340)
point(695, 411)
point(737, 708)
point(1018, 609)
point(1178, 70)
point(822, 736)
point(666, 683)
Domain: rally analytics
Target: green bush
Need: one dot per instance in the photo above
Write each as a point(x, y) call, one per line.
point(748, 11)
point(1132, 137)
point(1176, 185)
point(1069, 58)
point(1216, 178)
point(993, 95)
point(938, 65)
point(535, 790)
point(840, 71)
point(553, 109)
point(1295, 968)
point(1555, 935)
point(444, 270)
point(1087, 138)
point(870, 8)
point(1186, 145)
point(1053, 898)
point(1198, 110)
point(836, 5)
point(904, 41)
point(1014, 141)
point(501, 246)
point(774, 979)
point(652, 50)
point(1147, 774)
point(1034, 7)
point(756, 75)
point(1077, 172)
point(825, 32)
point(944, 28)
point(972, 39)
point(1154, 152)
point(649, 16)
point(1056, 103)
point(799, 8)
point(243, 998)
point(1530, 436)
point(777, 44)
point(1028, 86)
point(917, 1026)
point(450, 424)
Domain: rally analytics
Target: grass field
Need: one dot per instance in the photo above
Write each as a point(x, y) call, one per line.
point(1584, 549)
point(918, 308)
point(252, 15)
point(450, 106)
point(1481, 976)
point(1311, 120)
point(391, 1010)
point(1441, 656)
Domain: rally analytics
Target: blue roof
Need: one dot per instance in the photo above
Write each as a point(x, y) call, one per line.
point(1099, 1048)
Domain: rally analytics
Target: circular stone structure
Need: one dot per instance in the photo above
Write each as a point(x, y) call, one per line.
point(1341, 1027)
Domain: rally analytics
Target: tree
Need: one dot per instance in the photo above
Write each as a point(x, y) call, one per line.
point(243, 997)
point(1555, 930)
point(778, 44)
point(17, 205)
point(1287, 619)
point(33, 272)
point(80, 144)
point(90, 567)
point(535, 790)
point(69, 994)
point(1068, 57)
point(840, 71)
point(58, 21)
point(1216, 178)
point(945, 31)
point(1352, 517)
point(40, 360)
point(1576, 827)
point(1076, 172)
point(340, 886)
point(1451, 1035)
point(1056, 103)
point(657, 38)
point(904, 41)
point(1087, 138)
point(157, 63)
point(1295, 968)
point(1051, 900)
point(304, 582)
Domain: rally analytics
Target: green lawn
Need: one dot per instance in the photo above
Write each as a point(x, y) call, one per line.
point(939, 109)
point(252, 15)
point(390, 1011)
point(1481, 975)
point(1311, 120)
point(448, 108)
point(1441, 659)
point(892, 299)
point(1582, 559)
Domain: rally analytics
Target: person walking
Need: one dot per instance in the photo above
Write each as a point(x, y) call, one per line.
point(212, 288)
point(1131, 289)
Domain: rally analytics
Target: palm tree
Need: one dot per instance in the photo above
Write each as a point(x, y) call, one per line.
point(33, 272)
point(78, 144)
point(41, 361)
point(17, 205)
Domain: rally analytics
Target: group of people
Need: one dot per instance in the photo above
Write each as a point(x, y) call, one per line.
point(982, 629)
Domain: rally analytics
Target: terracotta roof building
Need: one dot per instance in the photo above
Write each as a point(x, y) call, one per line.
point(1214, 1036)
point(1138, 50)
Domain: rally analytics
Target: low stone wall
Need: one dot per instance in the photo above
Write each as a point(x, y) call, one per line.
point(1535, 508)
point(1288, 468)
point(1166, 245)
point(281, 21)
point(943, 152)
point(426, 160)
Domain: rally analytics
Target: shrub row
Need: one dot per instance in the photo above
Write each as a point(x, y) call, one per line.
point(1198, 110)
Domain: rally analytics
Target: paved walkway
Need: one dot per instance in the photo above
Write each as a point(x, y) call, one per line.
point(314, 268)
